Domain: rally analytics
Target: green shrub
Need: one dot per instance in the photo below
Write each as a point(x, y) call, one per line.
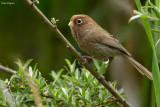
point(75, 88)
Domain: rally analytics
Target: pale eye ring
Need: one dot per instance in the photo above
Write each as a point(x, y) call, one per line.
point(79, 21)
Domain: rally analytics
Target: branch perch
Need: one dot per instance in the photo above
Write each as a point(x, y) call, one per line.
point(8, 70)
point(78, 55)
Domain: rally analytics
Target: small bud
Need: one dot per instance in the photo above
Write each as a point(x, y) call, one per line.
point(54, 21)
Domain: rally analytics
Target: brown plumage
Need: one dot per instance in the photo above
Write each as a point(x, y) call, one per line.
point(98, 43)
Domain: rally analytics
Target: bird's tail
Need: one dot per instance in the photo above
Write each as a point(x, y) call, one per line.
point(139, 67)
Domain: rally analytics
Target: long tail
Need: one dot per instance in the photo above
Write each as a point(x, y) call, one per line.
point(139, 67)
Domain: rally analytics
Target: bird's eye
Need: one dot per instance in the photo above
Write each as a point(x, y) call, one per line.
point(79, 21)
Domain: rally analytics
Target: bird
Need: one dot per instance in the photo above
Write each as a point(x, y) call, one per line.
point(99, 44)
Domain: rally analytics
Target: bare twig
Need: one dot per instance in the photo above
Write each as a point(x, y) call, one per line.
point(77, 55)
point(47, 96)
point(114, 100)
point(7, 69)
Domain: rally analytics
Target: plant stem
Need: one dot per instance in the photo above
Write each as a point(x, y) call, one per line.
point(7, 69)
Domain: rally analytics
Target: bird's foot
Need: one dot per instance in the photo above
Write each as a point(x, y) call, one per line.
point(84, 61)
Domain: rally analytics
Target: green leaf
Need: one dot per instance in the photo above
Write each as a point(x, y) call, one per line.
point(17, 88)
point(60, 72)
point(77, 74)
point(134, 17)
point(146, 9)
point(156, 30)
point(155, 67)
point(54, 21)
point(75, 79)
point(16, 76)
point(157, 11)
point(27, 63)
point(1, 92)
point(68, 63)
point(140, 14)
point(55, 77)
point(42, 84)
point(96, 64)
point(66, 77)
point(50, 86)
point(35, 73)
point(114, 84)
point(30, 71)
point(34, 70)
point(70, 98)
point(36, 80)
point(103, 66)
point(157, 42)
point(7, 97)
point(83, 92)
point(95, 82)
point(65, 91)
point(26, 90)
point(88, 94)
point(73, 66)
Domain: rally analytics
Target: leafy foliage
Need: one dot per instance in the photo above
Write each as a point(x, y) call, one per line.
point(150, 15)
point(76, 88)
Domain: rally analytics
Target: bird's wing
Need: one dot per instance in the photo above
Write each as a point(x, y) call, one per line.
point(108, 40)
point(113, 43)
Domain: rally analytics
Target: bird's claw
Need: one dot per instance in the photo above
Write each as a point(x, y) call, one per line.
point(84, 61)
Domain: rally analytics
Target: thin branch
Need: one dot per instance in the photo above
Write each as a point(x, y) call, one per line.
point(8, 70)
point(47, 96)
point(114, 100)
point(78, 55)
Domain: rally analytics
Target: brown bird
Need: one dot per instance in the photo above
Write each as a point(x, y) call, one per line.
point(98, 43)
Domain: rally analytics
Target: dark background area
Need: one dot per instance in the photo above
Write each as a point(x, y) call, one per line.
point(24, 36)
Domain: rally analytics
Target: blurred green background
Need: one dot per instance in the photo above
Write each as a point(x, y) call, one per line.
point(23, 35)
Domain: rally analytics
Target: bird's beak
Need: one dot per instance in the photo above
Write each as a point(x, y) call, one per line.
point(71, 24)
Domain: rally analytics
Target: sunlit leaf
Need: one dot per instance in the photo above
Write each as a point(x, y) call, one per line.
point(27, 63)
point(134, 17)
point(155, 30)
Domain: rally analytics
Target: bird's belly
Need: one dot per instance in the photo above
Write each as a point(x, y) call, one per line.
point(99, 51)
